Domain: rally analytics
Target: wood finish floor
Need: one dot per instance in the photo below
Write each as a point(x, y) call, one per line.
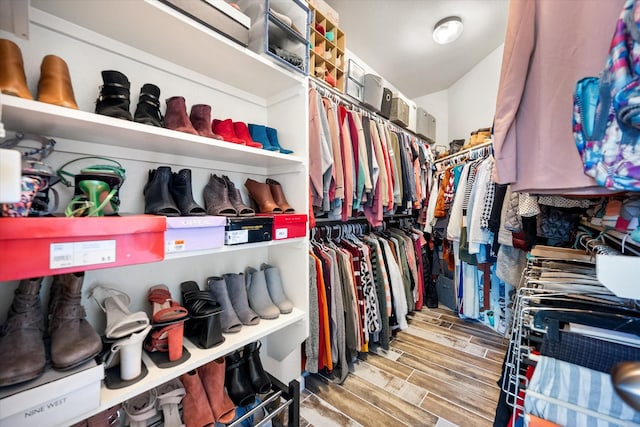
point(441, 371)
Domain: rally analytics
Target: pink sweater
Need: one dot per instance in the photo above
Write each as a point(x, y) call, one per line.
point(549, 46)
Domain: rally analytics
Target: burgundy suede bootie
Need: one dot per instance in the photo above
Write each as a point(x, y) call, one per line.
point(176, 116)
point(200, 117)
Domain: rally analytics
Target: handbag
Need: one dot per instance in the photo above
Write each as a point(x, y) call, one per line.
point(606, 111)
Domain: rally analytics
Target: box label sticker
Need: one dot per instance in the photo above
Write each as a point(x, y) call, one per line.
point(175, 246)
point(234, 237)
point(281, 233)
point(75, 254)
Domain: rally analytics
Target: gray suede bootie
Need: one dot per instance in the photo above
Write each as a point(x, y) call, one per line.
point(218, 290)
point(259, 298)
point(275, 288)
point(239, 299)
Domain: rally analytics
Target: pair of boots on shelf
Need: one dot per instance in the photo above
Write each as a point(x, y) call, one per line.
point(115, 98)
point(222, 197)
point(251, 135)
point(73, 339)
point(170, 194)
point(246, 298)
point(268, 196)
point(124, 333)
point(245, 378)
point(54, 86)
point(201, 393)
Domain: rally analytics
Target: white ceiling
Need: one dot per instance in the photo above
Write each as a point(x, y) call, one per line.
point(393, 37)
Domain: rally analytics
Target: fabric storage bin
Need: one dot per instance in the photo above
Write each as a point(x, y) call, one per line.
point(425, 125)
point(373, 91)
point(217, 15)
point(58, 245)
point(194, 233)
point(53, 399)
point(387, 97)
point(248, 230)
point(399, 112)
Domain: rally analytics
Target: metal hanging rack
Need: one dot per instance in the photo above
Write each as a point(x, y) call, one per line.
point(326, 90)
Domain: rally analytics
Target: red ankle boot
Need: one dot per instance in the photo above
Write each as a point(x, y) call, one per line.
point(242, 132)
point(224, 128)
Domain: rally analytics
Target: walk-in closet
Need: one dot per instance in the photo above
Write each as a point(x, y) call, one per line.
point(319, 213)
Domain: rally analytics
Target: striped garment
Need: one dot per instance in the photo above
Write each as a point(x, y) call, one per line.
point(574, 396)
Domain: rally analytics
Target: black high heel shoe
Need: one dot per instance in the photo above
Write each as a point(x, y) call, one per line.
point(204, 323)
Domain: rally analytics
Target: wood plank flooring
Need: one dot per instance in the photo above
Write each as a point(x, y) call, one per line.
point(441, 372)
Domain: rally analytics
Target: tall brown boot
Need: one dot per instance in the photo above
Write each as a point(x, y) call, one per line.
point(73, 339)
point(21, 345)
point(212, 377)
point(12, 78)
point(54, 86)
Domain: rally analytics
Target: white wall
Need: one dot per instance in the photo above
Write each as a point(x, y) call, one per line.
point(437, 104)
point(472, 99)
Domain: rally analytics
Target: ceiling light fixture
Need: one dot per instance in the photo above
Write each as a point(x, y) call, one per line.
point(447, 30)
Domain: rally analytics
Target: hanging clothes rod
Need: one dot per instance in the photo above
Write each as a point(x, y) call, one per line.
point(467, 152)
point(354, 104)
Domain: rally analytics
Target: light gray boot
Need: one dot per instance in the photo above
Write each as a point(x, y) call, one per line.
point(218, 290)
point(276, 290)
point(239, 299)
point(259, 298)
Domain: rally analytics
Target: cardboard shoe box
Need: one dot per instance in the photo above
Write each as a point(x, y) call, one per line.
point(248, 230)
point(289, 226)
point(194, 233)
point(53, 399)
point(32, 247)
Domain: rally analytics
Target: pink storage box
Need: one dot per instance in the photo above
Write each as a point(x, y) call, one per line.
point(194, 233)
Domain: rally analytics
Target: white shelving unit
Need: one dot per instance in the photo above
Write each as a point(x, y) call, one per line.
point(151, 43)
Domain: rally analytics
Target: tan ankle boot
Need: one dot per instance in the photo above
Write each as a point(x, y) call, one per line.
point(212, 377)
point(12, 78)
point(54, 86)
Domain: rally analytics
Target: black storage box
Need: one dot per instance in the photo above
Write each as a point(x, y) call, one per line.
point(385, 108)
point(248, 230)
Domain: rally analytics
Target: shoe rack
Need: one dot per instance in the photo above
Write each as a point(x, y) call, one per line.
point(326, 57)
point(152, 43)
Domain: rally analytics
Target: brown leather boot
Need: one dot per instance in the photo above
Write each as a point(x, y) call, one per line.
point(261, 194)
point(21, 345)
point(73, 339)
point(12, 78)
point(54, 86)
point(195, 406)
point(278, 196)
point(216, 197)
point(212, 377)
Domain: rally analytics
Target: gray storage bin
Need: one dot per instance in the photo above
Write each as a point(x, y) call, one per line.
point(373, 91)
point(425, 125)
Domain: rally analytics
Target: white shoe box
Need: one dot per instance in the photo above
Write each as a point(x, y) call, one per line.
point(53, 399)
